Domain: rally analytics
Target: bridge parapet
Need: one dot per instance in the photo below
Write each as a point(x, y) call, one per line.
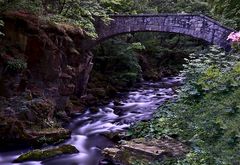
point(198, 26)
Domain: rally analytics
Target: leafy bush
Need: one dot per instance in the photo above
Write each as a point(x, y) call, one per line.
point(75, 12)
point(33, 6)
point(138, 46)
point(187, 6)
point(117, 62)
point(227, 11)
point(207, 112)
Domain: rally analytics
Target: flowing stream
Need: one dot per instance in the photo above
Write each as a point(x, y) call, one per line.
point(89, 129)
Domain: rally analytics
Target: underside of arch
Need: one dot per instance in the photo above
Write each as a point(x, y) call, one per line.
point(197, 26)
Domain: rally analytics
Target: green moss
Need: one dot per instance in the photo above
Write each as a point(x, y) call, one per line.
point(39, 155)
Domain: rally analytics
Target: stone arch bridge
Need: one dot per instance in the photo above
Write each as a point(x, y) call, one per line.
point(195, 25)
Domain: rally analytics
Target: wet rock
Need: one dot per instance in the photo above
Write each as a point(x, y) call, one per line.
point(111, 152)
point(42, 108)
point(62, 102)
point(63, 116)
point(70, 70)
point(113, 136)
point(16, 135)
point(111, 91)
point(3, 101)
point(69, 106)
point(8, 111)
point(78, 105)
point(49, 136)
point(94, 109)
point(27, 114)
point(66, 89)
point(16, 132)
point(146, 150)
point(27, 95)
point(116, 137)
point(117, 103)
point(39, 155)
point(29, 122)
point(12, 131)
point(75, 100)
point(73, 51)
point(4, 88)
point(119, 111)
point(89, 100)
point(65, 76)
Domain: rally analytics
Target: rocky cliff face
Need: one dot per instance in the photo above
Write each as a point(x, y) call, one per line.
point(41, 66)
point(52, 51)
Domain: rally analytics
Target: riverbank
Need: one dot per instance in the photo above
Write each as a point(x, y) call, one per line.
point(41, 66)
point(206, 113)
point(93, 131)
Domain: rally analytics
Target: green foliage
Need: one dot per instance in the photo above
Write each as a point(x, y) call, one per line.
point(1, 25)
point(117, 6)
point(16, 65)
point(138, 46)
point(229, 8)
point(161, 53)
point(165, 52)
point(180, 6)
point(82, 13)
point(33, 6)
point(227, 11)
point(213, 61)
point(128, 58)
point(158, 44)
point(118, 61)
point(75, 12)
point(207, 112)
point(142, 6)
point(156, 6)
point(129, 7)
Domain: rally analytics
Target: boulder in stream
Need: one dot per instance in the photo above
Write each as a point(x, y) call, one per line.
point(49, 136)
point(39, 155)
point(144, 150)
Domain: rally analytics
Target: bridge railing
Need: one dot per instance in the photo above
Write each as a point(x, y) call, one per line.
point(210, 19)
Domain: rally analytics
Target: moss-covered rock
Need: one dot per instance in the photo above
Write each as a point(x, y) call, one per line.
point(39, 155)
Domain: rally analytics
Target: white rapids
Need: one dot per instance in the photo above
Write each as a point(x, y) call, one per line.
point(88, 129)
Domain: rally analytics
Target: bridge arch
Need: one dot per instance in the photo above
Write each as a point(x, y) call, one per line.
point(197, 26)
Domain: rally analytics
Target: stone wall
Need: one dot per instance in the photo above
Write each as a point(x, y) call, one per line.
point(198, 26)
